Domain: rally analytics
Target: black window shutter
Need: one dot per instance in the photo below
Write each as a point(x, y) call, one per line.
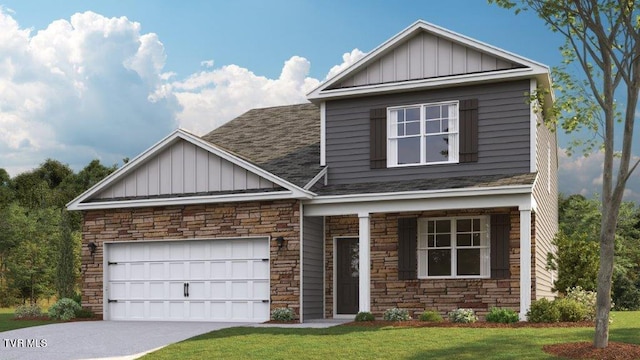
point(407, 248)
point(500, 228)
point(378, 147)
point(468, 131)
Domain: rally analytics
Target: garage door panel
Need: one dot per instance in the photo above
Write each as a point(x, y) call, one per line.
point(118, 290)
point(176, 271)
point(136, 271)
point(156, 271)
point(156, 290)
point(219, 270)
point(227, 280)
point(197, 289)
point(260, 290)
point(198, 270)
point(240, 269)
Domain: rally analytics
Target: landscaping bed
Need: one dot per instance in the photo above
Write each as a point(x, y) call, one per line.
point(479, 324)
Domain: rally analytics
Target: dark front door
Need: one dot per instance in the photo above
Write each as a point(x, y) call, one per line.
point(347, 275)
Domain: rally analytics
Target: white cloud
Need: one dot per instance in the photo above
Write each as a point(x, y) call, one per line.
point(347, 60)
point(211, 98)
point(583, 175)
point(95, 87)
point(78, 90)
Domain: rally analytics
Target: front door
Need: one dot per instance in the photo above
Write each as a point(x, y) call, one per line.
point(347, 276)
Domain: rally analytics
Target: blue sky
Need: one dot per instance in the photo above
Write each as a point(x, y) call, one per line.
point(107, 79)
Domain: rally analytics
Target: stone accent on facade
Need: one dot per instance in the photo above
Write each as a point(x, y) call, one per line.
point(226, 220)
point(416, 296)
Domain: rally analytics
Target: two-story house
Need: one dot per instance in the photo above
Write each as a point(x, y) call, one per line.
point(421, 177)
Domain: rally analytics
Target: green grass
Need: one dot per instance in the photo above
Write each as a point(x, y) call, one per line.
point(8, 323)
point(346, 342)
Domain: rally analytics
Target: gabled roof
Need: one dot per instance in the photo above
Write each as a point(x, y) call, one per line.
point(478, 62)
point(283, 140)
point(165, 183)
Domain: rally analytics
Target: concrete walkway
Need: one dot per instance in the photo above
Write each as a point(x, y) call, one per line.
point(112, 340)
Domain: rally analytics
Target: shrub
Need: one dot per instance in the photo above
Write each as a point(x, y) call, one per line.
point(282, 314)
point(464, 316)
point(365, 316)
point(27, 311)
point(432, 316)
point(504, 316)
point(64, 309)
point(570, 310)
point(395, 314)
point(586, 298)
point(84, 313)
point(543, 311)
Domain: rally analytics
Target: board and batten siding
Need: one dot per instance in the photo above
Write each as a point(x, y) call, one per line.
point(425, 56)
point(503, 134)
point(184, 168)
point(545, 192)
point(312, 268)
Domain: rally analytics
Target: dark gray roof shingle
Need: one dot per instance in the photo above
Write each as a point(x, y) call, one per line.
point(284, 140)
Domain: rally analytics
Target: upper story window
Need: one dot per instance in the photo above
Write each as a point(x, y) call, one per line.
point(423, 134)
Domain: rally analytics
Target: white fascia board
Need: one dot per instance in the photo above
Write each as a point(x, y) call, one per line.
point(185, 200)
point(429, 83)
point(421, 25)
point(533, 128)
point(424, 194)
point(195, 140)
point(316, 178)
point(519, 200)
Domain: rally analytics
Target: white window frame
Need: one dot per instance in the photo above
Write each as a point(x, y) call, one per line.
point(485, 248)
point(454, 137)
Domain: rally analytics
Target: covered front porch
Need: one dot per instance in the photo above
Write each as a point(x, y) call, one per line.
point(364, 238)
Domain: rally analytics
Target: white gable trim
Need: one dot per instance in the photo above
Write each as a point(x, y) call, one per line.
point(320, 175)
point(532, 68)
point(80, 203)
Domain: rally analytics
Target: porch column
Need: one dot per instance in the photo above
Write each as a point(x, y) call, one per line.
point(525, 262)
point(364, 263)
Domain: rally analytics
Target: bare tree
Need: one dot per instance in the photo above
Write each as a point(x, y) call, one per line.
point(602, 38)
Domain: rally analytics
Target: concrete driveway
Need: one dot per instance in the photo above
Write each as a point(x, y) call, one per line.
point(98, 339)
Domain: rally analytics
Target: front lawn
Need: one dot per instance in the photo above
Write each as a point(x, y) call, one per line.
point(350, 342)
point(8, 323)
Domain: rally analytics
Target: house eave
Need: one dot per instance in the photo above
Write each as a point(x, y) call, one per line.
point(191, 200)
point(431, 83)
point(424, 194)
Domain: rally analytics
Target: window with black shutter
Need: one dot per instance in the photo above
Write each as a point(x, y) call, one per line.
point(378, 138)
point(468, 130)
point(500, 228)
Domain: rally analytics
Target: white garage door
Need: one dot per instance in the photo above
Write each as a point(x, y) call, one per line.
point(199, 280)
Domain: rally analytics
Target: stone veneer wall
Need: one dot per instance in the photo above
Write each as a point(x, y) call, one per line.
point(416, 296)
point(272, 218)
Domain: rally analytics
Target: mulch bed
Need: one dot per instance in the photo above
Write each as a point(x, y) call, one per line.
point(46, 318)
point(585, 350)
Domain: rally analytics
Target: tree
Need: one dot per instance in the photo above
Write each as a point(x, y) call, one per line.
point(66, 266)
point(602, 38)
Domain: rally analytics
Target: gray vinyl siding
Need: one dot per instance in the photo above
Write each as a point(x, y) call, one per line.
point(184, 168)
point(503, 134)
point(312, 271)
point(545, 192)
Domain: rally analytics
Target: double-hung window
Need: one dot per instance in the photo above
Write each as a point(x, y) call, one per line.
point(454, 247)
point(423, 134)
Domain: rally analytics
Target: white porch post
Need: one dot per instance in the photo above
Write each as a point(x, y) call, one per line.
point(364, 264)
point(525, 262)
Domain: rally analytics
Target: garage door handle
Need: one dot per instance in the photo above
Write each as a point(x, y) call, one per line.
point(187, 289)
point(184, 290)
